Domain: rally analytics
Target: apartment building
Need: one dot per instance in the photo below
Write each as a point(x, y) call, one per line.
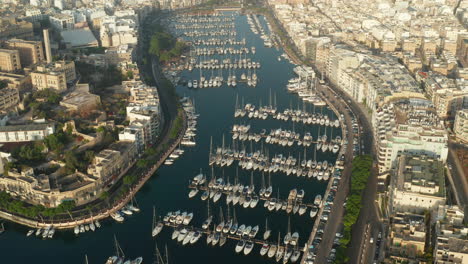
point(42, 190)
point(55, 76)
point(11, 27)
point(9, 97)
point(42, 78)
point(17, 81)
point(111, 163)
point(451, 244)
point(406, 238)
point(30, 52)
point(9, 60)
point(408, 125)
point(417, 184)
point(460, 127)
point(61, 21)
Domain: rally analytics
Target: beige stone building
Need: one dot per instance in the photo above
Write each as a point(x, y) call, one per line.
point(31, 52)
point(81, 101)
point(17, 81)
point(41, 189)
point(9, 97)
point(55, 76)
point(10, 27)
point(460, 127)
point(110, 164)
point(417, 184)
point(68, 67)
point(451, 245)
point(9, 60)
point(42, 79)
point(406, 238)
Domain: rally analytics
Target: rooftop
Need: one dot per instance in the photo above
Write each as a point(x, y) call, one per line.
point(421, 171)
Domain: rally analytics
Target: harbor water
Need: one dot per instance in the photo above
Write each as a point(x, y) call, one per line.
point(168, 189)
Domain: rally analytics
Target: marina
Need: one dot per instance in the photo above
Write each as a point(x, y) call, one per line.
point(254, 161)
point(221, 54)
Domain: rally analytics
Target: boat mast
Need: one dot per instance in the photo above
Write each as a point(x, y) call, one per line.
point(211, 146)
point(279, 238)
point(234, 215)
point(221, 216)
point(263, 180)
point(154, 217)
point(269, 179)
point(251, 181)
point(157, 255)
point(167, 255)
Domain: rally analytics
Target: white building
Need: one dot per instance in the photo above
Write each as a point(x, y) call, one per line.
point(410, 126)
point(24, 133)
point(134, 132)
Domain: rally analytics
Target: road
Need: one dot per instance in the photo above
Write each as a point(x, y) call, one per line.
point(337, 210)
point(369, 209)
point(368, 215)
point(457, 176)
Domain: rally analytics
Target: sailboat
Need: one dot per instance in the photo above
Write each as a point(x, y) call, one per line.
point(287, 237)
point(269, 190)
point(119, 256)
point(228, 224)
point(280, 250)
point(206, 224)
point(267, 233)
point(220, 226)
point(273, 247)
point(234, 226)
point(278, 202)
point(157, 226)
point(262, 189)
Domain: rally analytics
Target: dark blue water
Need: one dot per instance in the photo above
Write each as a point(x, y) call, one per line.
point(167, 190)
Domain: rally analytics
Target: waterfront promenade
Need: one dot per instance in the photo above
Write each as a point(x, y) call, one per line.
point(71, 223)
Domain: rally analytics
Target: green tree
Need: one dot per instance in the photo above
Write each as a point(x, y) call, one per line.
point(89, 156)
point(129, 179)
point(53, 143)
point(130, 75)
point(142, 163)
point(104, 195)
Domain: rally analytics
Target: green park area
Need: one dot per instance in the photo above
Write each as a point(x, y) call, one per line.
point(164, 45)
point(360, 172)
